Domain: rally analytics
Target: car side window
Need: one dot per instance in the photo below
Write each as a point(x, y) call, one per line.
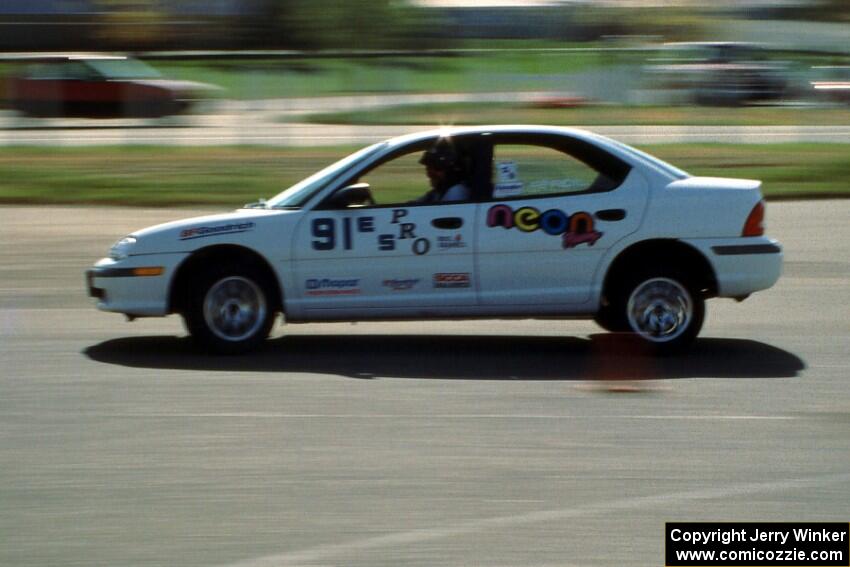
point(63, 70)
point(526, 170)
point(78, 71)
point(46, 71)
point(400, 180)
point(407, 180)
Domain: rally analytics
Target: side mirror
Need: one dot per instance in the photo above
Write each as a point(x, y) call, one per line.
point(355, 195)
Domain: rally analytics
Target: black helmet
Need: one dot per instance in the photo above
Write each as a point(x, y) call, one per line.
point(441, 155)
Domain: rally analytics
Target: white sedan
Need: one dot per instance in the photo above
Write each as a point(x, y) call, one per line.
point(543, 222)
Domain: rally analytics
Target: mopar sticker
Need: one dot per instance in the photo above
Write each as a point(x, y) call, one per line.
point(454, 280)
point(204, 231)
point(327, 286)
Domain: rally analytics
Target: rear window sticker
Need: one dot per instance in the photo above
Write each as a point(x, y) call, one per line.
point(508, 183)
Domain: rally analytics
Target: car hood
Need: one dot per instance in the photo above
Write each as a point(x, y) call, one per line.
point(241, 227)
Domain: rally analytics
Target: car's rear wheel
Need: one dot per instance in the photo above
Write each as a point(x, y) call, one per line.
point(230, 310)
point(662, 307)
point(611, 320)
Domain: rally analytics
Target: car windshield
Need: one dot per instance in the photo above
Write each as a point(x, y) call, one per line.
point(121, 68)
point(302, 191)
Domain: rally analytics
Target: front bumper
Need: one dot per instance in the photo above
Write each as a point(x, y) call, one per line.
point(138, 285)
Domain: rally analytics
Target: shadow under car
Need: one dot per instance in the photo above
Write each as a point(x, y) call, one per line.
point(464, 357)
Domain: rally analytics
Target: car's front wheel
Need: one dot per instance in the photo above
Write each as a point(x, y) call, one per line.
point(662, 307)
point(230, 310)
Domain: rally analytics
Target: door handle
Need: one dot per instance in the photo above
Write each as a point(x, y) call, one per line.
point(611, 215)
point(448, 223)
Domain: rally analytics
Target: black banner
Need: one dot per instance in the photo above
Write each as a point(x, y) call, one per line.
point(757, 544)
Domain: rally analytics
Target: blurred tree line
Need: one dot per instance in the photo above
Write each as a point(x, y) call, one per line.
point(267, 24)
point(372, 24)
point(330, 24)
point(129, 25)
point(822, 10)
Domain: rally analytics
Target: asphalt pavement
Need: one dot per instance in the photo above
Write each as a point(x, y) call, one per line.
point(521, 443)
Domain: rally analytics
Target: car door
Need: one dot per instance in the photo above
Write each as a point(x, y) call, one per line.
point(394, 257)
point(558, 204)
point(85, 93)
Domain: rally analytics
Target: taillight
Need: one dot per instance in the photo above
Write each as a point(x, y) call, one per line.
point(755, 222)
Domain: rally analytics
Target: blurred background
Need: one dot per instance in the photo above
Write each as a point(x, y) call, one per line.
point(454, 444)
point(322, 73)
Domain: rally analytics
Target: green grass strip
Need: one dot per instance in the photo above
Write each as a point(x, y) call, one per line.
point(232, 176)
point(463, 114)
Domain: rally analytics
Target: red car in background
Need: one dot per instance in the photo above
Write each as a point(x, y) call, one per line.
point(99, 86)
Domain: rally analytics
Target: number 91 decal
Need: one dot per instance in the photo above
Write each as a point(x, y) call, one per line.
point(325, 234)
point(330, 234)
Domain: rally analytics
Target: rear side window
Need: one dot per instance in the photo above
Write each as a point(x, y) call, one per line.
point(544, 166)
point(532, 171)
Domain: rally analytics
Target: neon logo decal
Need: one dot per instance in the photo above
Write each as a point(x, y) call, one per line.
point(575, 229)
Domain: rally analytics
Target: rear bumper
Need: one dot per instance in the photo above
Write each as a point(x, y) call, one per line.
point(745, 249)
point(742, 265)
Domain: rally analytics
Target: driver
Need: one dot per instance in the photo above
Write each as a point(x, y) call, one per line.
point(445, 171)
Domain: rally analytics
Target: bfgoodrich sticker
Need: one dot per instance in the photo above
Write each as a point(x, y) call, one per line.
point(202, 231)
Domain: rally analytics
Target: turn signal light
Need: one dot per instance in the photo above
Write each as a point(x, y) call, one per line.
point(755, 222)
point(153, 271)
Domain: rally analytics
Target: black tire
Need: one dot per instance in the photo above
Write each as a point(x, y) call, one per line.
point(611, 320)
point(662, 307)
point(230, 309)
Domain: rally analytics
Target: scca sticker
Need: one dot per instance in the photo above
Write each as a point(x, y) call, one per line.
point(328, 286)
point(454, 280)
point(203, 231)
point(574, 229)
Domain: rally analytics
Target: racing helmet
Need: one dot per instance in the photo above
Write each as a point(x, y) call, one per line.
point(442, 155)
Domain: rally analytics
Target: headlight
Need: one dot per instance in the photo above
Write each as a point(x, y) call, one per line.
point(121, 249)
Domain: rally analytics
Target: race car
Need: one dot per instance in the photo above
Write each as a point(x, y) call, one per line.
point(552, 222)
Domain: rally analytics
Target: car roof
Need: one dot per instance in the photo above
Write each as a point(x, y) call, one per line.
point(451, 131)
point(525, 129)
point(60, 57)
point(623, 151)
